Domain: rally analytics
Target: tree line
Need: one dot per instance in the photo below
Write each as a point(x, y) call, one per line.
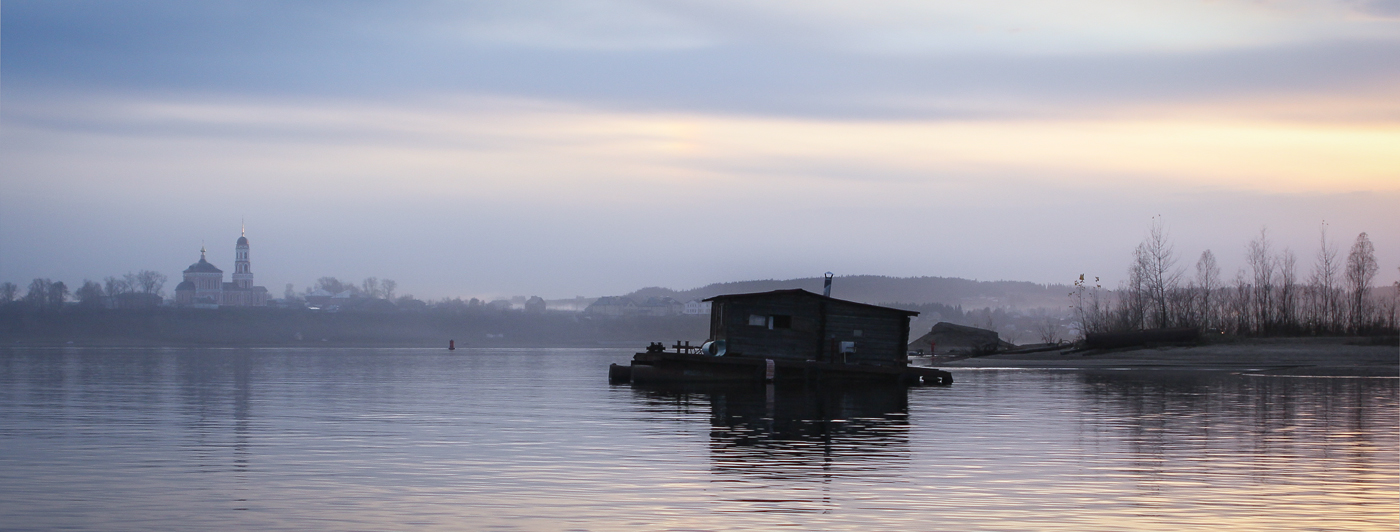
point(1266, 297)
point(44, 293)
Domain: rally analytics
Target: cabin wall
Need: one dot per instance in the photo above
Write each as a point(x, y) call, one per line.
point(881, 338)
point(798, 340)
point(756, 326)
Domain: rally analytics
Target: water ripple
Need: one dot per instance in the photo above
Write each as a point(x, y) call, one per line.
point(534, 439)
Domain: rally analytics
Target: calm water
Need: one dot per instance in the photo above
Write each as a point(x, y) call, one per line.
point(535, 439)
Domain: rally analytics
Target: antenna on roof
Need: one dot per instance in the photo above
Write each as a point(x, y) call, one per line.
point(826, 288)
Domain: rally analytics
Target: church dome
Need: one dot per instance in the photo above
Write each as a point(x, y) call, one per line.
point(202, 266)
point(242, 241)
point(184, 286)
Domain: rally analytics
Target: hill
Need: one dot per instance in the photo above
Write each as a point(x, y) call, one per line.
point(895, 291)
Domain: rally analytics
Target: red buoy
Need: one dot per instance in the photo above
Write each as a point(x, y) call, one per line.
point(451, 345)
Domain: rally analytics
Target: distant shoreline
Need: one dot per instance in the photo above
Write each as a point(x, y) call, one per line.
point(1270, 356)
point(43, 344)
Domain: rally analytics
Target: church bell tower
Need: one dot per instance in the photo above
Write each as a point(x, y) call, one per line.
point(242, 268)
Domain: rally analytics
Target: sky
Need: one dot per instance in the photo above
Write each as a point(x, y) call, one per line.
point(582, 148)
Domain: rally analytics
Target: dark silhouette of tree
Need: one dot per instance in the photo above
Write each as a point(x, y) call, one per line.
point(332, 285)
point(1361, 270)
point(114, 287)
point(1262, 267)
point(387, 286)
point(1208, 284)
point(1325, 298)
point(1288, 289)
point(58, 294)
point(38, 294)
point(90, 295)
point(149, 282)
point(8, 292)
point(1160, 275)
point(370, 287)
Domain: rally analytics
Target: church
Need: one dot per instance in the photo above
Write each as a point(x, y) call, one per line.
point(204, 285)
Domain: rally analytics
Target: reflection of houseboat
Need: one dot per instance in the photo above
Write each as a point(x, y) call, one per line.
point(796, 435)
point(789, 334)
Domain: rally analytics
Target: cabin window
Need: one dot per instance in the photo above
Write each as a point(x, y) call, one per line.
point(781, 321)
point(758, 321)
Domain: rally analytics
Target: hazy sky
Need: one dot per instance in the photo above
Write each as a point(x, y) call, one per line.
point(591, 148)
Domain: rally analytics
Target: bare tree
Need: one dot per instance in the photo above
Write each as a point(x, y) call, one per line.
point(1391, 312)
point(1361, 270)
point(1240, 303)
point(1261, 264)
point(387, 286)
point(1324, 284)
point(289, 294)
point(8, 292)
point(1091, 312)
point(1160, 274)
point(114, 287)
point(149, 282)
point(1395, 305)
point(1047, 330)
point(90, 294)
point(38, 294)
point(1288, 288)
point(370, 287)
point(1133, 298)
point(331, 284)
point(1208, 283)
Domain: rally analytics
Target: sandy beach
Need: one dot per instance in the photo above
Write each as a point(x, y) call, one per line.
point(1274, 356)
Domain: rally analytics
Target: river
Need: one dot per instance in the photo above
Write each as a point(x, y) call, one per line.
point(536, 439)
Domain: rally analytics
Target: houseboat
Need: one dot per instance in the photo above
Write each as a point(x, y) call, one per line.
point(788, 335)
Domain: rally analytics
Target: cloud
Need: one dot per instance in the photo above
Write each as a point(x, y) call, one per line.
point(475, 144)
point(825, 59)
point(1378, 8)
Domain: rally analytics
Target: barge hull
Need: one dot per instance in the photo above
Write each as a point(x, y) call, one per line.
point(667, 368)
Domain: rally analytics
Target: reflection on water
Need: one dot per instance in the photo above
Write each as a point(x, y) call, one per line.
point(522, 439)
point(794, 440)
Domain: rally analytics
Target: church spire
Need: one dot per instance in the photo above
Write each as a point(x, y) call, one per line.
point(242, 267)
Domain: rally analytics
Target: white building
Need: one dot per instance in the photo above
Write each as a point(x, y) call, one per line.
point(204, 285)
point(696, 306)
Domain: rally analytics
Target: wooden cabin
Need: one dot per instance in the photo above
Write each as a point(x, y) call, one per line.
point(803, 326)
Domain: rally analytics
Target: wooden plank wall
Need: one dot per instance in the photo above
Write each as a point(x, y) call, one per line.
point(883, 334)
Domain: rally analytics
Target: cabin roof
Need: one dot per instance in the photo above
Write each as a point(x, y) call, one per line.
point(803, 293)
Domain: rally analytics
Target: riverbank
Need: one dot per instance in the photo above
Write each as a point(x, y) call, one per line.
point(1273, 356)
